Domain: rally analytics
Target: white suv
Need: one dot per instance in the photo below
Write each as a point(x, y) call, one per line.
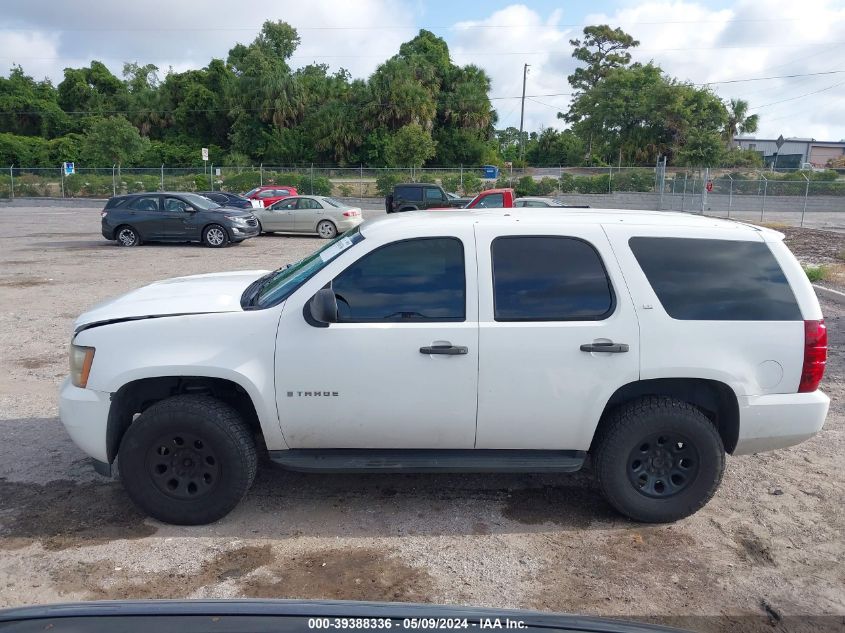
point(503, 340)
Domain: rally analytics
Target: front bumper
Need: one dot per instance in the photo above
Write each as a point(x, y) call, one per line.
point(85, 415)
point(779, 420)
point(243, 232)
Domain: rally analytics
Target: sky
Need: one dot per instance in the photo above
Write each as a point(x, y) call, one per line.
point(723, 43)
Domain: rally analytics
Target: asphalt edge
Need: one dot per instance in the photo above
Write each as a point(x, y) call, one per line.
point(830, 294)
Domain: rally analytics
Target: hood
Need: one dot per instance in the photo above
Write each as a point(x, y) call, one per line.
point(197, 294)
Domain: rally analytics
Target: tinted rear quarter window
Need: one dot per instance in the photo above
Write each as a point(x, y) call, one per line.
point(716, 280)
point(549, 278)
point(413, 194)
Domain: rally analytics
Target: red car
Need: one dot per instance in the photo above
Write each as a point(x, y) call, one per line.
point(268, 194)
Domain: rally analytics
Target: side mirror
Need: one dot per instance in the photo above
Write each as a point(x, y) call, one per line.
point(321, 309)
point(189, 210)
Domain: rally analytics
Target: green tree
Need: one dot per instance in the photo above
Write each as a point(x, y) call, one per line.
point(29, 107)
point(637, 113)
point(602, 49)
point(555, 148)
point(739, 121)
point(112, 140)
point(410, 146)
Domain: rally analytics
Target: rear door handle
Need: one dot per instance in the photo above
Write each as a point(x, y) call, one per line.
point(612, 348)
point(449, 350)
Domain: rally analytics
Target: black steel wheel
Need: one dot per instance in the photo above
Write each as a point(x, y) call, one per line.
point(187, 460)
point(183, 465)
point(658, 459)
point(663, 465)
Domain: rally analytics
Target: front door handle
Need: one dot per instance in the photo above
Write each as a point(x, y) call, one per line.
point(449, 350)
point(612, 348)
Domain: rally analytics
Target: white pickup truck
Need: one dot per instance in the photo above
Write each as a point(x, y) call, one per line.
point(499, 340)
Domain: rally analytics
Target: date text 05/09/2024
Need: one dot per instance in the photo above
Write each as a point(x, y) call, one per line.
point(415, 623)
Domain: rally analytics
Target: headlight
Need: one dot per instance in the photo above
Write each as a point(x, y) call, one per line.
point(81, 359)
point(237, 219)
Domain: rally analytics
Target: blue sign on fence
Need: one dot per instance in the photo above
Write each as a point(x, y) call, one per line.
point(69, 169)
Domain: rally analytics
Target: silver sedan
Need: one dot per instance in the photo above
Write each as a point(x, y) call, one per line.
point(309, 214)
point(538, 202)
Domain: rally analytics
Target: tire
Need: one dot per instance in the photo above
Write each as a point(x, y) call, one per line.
point(326, 229)
point(127, 236)
point(215, 236)
point(658, 459)
point(216, 460)
point(260, 228)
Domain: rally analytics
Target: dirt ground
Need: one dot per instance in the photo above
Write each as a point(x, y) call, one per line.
point(770, 545)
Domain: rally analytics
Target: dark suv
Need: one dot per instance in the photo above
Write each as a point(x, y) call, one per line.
point(417, 195)
point(175, 217)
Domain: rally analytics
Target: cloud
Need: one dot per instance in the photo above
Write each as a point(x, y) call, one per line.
point(689, 41)
point(745, 41)
point(528, 38)
point(188, 33)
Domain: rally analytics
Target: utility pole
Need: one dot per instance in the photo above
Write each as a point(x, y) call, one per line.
point(522, 113)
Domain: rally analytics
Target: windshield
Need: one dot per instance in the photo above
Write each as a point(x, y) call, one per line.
point(281, 283)
point(251, 192)
point(200, 202)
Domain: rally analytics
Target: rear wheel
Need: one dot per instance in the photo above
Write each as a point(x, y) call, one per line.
point(659, 459)
point(327, 230)
point(215, 236)
point(127, 236)
point(187, 460)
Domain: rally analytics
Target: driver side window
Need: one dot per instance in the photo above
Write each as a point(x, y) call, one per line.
point(174, 204)
point(284, 205)
point(413, 280)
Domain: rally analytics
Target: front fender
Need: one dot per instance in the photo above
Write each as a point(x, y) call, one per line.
point(234, 346)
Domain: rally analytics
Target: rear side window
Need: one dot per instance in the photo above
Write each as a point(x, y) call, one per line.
point(716, 280)
point(413, 194)
point(540, 278)
point(145, 203)
point(412, 280)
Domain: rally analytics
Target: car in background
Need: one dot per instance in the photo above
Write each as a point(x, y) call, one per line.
point(174, 217)
point(458, 201)
point(538, 202)
point(268, 194)
point(322, 215)
point(227, 199)
point(417, 196)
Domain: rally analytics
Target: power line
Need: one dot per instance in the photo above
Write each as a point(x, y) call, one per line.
point(498, 53)
point(736, 81)
point(460, 26)
point(806, 94)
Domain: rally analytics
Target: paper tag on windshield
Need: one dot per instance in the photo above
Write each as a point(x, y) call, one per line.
point(335, 249)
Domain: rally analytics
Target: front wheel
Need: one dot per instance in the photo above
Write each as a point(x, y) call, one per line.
point(215, 236)
point(187, 460)
point(327, 230)
point(659, 459)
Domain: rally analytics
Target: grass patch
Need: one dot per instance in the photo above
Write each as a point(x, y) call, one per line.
point(815, 273)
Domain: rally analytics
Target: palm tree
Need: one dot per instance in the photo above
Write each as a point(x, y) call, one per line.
point(739, 121)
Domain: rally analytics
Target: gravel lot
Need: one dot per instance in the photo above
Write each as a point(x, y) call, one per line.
point(771, 544)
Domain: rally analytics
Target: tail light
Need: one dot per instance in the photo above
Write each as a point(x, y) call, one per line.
point(815, 355)
point(352, 213)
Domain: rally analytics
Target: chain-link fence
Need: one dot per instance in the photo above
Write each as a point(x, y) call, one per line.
point(789, 196)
